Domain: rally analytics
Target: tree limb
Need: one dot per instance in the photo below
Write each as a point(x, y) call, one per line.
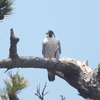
point(78, 74)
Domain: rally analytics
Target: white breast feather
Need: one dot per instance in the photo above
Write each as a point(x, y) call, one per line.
point(50, 47)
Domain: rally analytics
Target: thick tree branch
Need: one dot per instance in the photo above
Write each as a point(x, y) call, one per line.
point(75, 72)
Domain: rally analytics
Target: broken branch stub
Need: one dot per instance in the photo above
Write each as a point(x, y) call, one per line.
point(13, 45)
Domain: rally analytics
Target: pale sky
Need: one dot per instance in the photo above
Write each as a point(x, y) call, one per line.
point(76, 23)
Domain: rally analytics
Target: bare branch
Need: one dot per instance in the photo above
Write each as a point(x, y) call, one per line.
point(62, 97)
point(41, 95)
point(13, 45)
point(78, 74)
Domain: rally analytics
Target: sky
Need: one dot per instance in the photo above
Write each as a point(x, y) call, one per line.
point(76, 23)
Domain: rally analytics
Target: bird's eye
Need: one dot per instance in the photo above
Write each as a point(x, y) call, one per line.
point(47, 33)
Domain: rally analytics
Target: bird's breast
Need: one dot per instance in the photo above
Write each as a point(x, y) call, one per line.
point(50, 49)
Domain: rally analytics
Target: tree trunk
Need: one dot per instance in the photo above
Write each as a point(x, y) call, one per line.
point(76, 73)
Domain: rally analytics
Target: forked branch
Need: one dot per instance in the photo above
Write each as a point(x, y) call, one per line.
point(62, 97)
point(41, 95)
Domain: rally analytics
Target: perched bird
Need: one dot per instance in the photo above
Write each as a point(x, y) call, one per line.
point(49, 46)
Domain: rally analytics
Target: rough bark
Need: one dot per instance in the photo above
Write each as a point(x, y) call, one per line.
point(13, 97)
point(13, 45)
point(78, 74)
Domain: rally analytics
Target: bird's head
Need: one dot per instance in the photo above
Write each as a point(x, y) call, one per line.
point(50, 33)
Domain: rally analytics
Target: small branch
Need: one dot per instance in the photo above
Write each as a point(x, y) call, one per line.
point(62, 97)
point(41, 95)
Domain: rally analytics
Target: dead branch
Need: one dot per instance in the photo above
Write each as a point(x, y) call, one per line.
point(41, 95)
point(13, 45)
point(62, 97)
point(78, 74)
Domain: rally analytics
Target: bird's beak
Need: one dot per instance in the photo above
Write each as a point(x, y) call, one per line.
point(47, 34)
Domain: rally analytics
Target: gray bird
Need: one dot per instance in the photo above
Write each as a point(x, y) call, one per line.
point(49, 45)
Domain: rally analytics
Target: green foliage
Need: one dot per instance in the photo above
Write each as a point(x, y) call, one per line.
point(3, 95)
point(13, 85)
point(5, 8)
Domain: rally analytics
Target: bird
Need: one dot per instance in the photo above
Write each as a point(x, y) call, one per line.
point(49, 45)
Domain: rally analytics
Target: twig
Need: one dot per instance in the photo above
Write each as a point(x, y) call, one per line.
point(62, 98)
point(41, 95)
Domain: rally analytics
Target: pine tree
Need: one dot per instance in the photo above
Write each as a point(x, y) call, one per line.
point(13, 86)
point(5, 8)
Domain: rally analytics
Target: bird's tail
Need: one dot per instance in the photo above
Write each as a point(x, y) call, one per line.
point(51, 76)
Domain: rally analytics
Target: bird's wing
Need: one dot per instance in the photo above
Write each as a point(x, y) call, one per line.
point(59, 46)
point(43, 49)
